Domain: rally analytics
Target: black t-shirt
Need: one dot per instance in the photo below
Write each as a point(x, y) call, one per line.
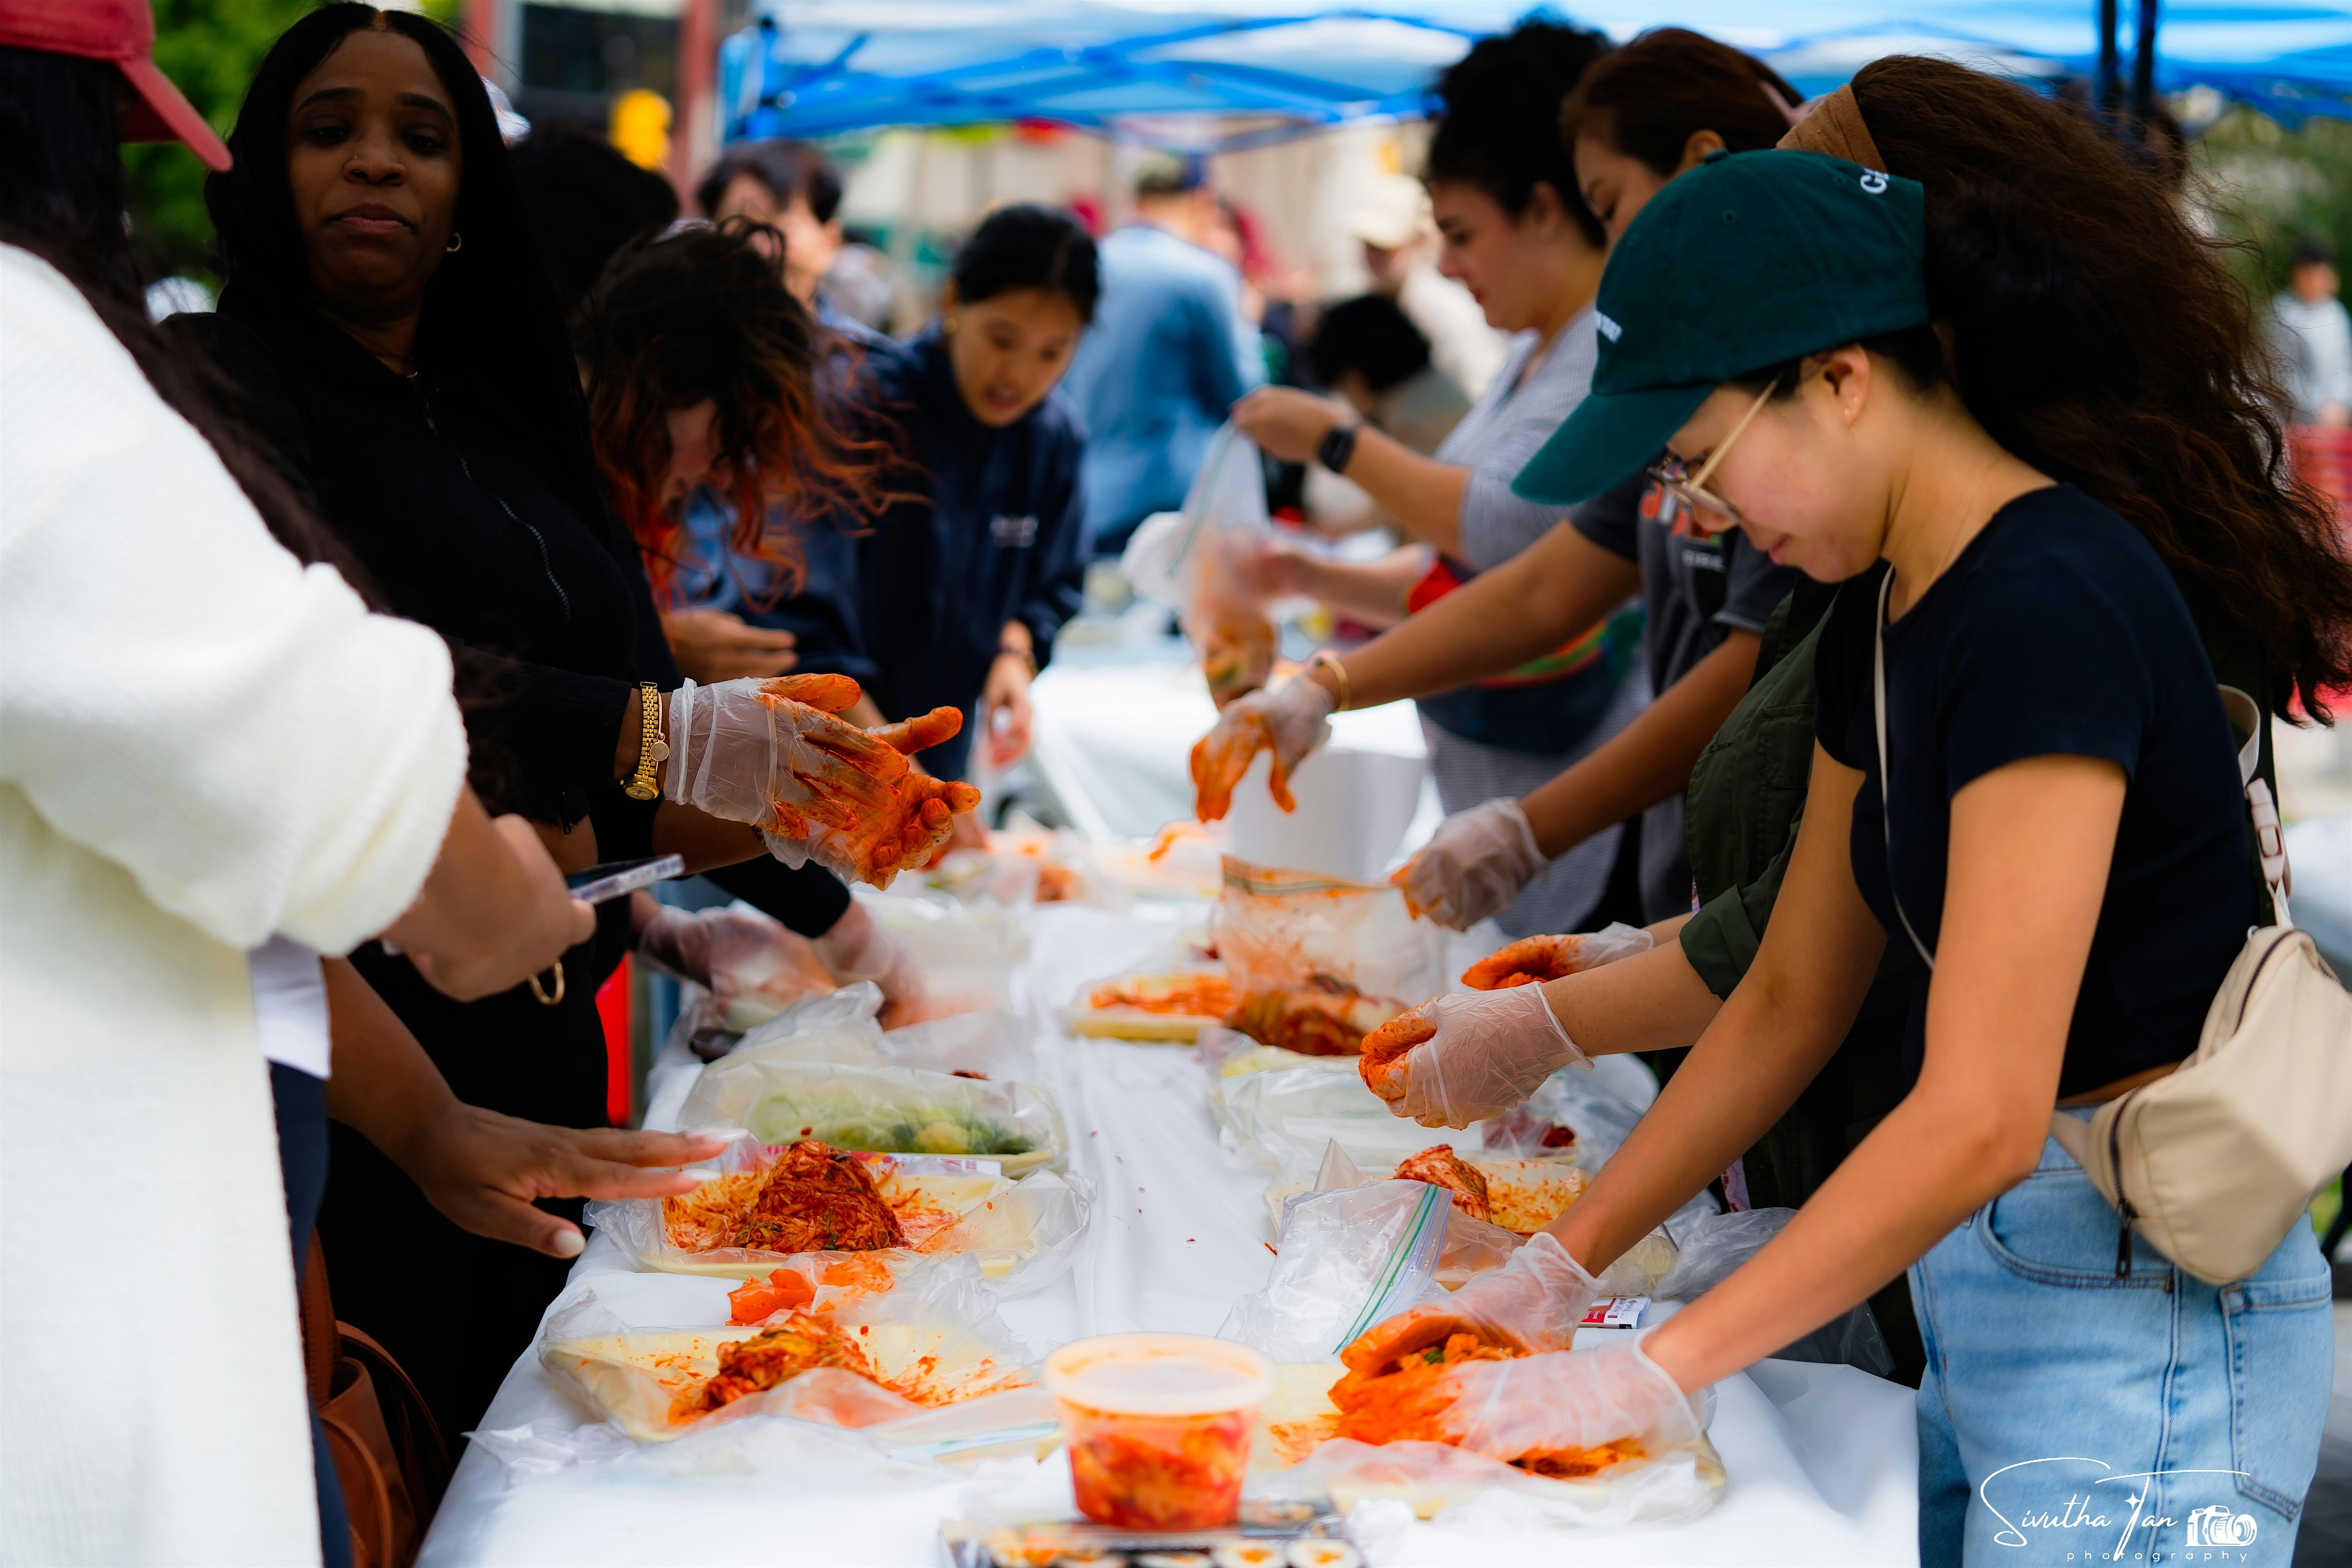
point(2057, 632)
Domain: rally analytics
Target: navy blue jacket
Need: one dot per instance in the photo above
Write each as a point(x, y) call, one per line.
point(995, 534)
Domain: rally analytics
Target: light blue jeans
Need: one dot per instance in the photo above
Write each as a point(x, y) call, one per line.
point(2069, 1415)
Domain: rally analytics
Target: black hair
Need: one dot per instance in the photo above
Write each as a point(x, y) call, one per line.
point(786, 167)
point(589, 201)
point(489, 320)
point(1166, 175)
point(1030, 246)
point(2094, 333)
point(2311, 250)
point(61, 199)
point(1371, 336)
point(1497, 120)
point(1649, 98)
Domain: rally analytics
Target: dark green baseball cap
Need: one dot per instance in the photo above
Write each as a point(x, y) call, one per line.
point(1749, 259)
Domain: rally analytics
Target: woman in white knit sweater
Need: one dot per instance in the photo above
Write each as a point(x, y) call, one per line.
point(204, 744)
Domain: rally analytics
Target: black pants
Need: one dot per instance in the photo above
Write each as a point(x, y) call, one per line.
point(301, 1104)
point(456, 1310)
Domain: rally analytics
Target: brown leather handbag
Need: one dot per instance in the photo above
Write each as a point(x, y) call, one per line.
point(387, 1450)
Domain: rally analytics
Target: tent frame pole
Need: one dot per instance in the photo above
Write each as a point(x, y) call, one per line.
point(2144, 63)
point(2107, 91)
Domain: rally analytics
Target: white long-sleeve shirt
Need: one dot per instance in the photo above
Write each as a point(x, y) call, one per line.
point(203, 743)
point(2313, 346)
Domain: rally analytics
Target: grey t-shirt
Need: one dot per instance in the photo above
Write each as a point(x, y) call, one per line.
point(1695, 586)
point(1503, 430)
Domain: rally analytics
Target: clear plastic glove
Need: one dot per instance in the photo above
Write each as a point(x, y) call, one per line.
point(1567, 1400)
point(1473, 867)
point(1532, 960)
point(772, 754)
point(1531, 1303)
point(858, 948)
point(1290, 720)
point(1465, 1057)
point(727, 952)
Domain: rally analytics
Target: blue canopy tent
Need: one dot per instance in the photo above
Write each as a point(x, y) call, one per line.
point(822, 68)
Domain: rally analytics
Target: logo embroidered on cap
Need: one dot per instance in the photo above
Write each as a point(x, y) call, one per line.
point(1609, 329)
point(1873, 181)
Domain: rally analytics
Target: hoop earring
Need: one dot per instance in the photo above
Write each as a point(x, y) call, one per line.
point(456, 242)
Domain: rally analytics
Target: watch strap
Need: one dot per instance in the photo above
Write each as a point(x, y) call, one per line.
point(1339, 444)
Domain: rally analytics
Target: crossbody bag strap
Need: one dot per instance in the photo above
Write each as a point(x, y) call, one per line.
point(2270, 843)
point(1885, 813)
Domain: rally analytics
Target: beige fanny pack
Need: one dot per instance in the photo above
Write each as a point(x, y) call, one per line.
point(2215, 1162)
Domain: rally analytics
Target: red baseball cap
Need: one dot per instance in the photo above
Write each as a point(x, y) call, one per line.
point(122, 31)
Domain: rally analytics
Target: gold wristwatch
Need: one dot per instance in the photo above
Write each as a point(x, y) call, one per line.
point(652, 749)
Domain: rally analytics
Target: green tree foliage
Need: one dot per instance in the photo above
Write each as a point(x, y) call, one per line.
point(209, 49)
point(2267, 187)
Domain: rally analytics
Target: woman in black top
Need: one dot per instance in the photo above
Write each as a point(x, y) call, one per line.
point(2037, 793)
point(389, 322)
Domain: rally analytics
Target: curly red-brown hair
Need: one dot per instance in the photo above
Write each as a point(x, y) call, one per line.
point(702, 314)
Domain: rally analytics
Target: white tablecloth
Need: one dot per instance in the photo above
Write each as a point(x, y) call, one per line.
point(1115, 742)
point(1822, 1460)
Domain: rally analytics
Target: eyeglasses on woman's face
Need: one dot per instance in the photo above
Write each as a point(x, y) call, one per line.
point(1674, 476)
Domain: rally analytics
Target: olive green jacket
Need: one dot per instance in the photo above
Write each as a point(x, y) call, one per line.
point(1747, 796)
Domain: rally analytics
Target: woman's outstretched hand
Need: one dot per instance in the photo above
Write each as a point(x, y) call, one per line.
point(1474, 866)
point(1531, 1303)
point(1290, 720)
point(774, 753)
point(1533, 960)
point(1565, 1402)
point(483, 1170)
point(1464, 1058)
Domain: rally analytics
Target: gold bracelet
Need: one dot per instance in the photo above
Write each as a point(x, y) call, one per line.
point(1023, 654)
point(1330, 661)
point(651, 747)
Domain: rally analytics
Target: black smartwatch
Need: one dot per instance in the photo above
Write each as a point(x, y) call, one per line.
point(1339, 444)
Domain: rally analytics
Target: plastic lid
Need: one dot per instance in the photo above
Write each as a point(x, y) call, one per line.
point(1160, 1375)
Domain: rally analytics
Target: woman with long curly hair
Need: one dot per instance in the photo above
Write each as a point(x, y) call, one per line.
point(388, 318)
point(2017, 411)
point(1522, 808)
point(703, 372)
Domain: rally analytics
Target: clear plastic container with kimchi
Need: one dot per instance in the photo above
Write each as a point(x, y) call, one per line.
point(1158, 1426)
point(766, 1203)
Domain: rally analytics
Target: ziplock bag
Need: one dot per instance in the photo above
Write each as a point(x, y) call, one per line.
point(1472, 1246)
point(933, 1338)
point(843, 1029)
point(1437, 1481)
point(1202, 564)
point(1347, 1260)
point(837, 1025)
point(1351, 1258)
point(1031, 867)
point(965, 956)
point(885, 1109)
point(1283, 931)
